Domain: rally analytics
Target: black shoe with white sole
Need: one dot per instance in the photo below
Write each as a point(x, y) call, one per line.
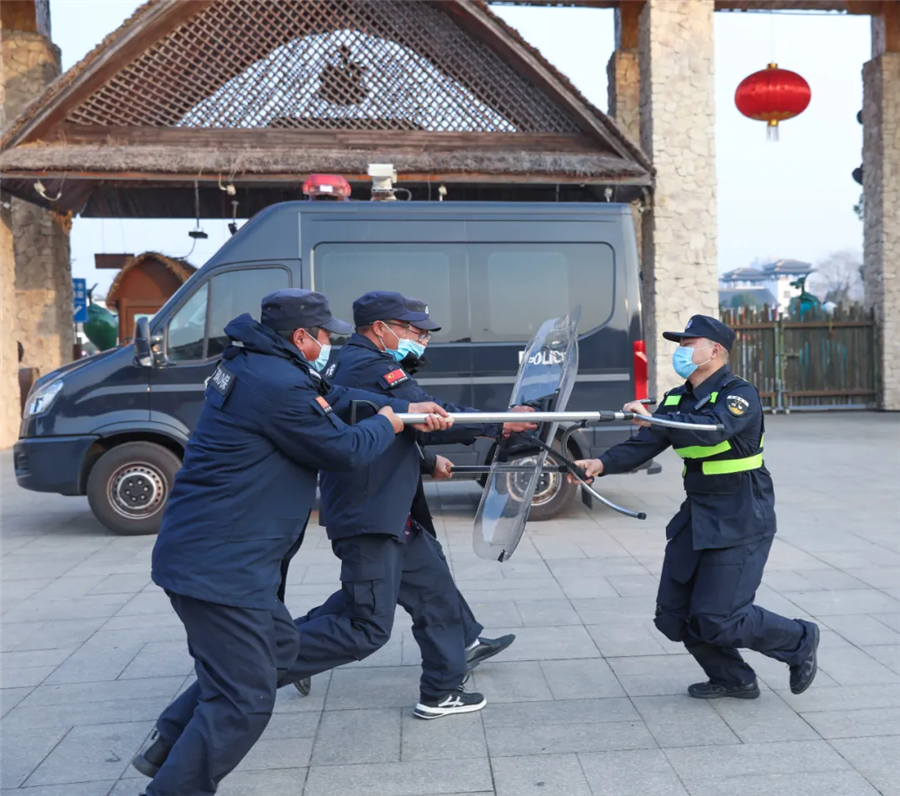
point(304, 686)
point(455, 702)
point(487, 648)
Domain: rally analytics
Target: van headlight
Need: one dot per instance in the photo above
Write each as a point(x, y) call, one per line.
point(43, 399)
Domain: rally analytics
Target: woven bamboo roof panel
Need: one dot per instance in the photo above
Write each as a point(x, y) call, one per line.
point(322, 65)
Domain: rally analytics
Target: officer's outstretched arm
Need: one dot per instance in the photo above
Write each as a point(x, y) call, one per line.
point(631, 454)
point(412, 391)
point(737, 409)
point(340, 399)
point(306, 428)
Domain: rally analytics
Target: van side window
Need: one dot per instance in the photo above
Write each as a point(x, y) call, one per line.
point(515, 287)
point(187, 328)
point(237, 292)
point(197, 330)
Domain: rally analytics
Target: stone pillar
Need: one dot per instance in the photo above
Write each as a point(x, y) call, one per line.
point(881, 196)
point(9, 356)
point(624, 72)
point(677, 125)
point(43, 283)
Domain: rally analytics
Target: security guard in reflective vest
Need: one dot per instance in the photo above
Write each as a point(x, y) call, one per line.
point(239, 507)
point(719, 540)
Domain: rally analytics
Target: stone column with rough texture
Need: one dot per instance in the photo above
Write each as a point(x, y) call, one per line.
point(41, 239)
point(9, 353)
point(677, 124)
point(881, 199)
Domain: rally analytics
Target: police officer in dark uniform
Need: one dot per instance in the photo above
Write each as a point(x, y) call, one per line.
point(238, 508)
point(387, 555)
point(719, 540)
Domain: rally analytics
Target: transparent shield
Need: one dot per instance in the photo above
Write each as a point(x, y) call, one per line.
point(546, 374)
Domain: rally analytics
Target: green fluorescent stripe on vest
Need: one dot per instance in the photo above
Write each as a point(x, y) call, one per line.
point(672, 400)
point(733, 465)
point(703, 451)
point(713, 396)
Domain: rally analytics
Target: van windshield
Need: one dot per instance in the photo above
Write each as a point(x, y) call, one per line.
point(478, 292)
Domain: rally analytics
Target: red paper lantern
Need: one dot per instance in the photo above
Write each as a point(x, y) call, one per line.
point(772, 95)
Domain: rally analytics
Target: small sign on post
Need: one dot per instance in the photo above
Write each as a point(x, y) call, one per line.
point(79, 289)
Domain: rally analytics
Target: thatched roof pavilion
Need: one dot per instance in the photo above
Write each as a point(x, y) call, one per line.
point(261, 94)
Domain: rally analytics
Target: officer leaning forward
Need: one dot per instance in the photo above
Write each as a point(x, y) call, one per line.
point(239, 507)
point(387, 557)
point(719, 540)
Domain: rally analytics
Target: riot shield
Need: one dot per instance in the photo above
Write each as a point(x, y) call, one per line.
point(546, 377)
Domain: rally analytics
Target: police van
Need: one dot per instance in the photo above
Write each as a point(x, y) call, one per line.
point(114, 426)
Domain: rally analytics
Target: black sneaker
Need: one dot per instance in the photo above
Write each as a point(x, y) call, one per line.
point(455, 702)
point(487, 648)
point(710, 690)
point(803, 674)
point(150, 761)
point(304, 686)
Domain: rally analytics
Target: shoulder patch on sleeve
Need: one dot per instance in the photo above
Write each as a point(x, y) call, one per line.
point(322, 406)
point(737, 405)
point(222, 380)
point(392, 379)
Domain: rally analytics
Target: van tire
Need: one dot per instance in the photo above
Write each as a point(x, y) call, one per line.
point(557, 503)
point(129, 485)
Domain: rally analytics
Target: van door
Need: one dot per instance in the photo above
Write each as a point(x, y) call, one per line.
point(195, 337)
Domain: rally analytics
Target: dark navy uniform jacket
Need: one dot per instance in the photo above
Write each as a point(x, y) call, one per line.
point(730, 499)
point(240, 503)
point(377, 498)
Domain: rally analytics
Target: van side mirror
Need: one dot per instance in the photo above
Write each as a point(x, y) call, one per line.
point(146, 348)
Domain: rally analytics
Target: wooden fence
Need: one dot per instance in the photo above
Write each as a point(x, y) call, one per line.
point(819, 361)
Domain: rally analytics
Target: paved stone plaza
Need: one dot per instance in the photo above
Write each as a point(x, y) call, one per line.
point(589, 700)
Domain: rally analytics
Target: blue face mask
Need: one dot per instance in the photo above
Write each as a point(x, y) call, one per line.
point(324, 355)
point(683, 361)
point(404, 348)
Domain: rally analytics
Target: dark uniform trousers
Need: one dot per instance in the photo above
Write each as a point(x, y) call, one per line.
point(243, 655)
point(705, 600)
point(379, 572)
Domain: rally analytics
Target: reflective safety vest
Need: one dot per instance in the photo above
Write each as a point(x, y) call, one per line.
point(717, 459)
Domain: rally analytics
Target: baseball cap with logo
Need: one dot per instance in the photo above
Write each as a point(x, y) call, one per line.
point(292, 308)
point(704, 326)
point(384, 305)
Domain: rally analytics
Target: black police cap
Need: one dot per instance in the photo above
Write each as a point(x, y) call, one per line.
point(704, 326)
point(386, 305)
point(292, 308)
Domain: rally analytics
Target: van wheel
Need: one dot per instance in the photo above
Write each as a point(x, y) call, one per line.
point(129, 485)
point(552, 495)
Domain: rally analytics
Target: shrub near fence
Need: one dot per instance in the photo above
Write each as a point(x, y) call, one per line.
point(820, 361)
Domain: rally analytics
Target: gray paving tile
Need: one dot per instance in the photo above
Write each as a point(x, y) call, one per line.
point(281, 781)
point(346, 737)
point(581, 679)
point(549, 643)
point(366, 689)
point(580, 588)
point(461, 738)
point(66, 634)
point(839, 783)
point(888, 655)
point(95, 661)
point(495, 614)
point(834, 579)
point(877, 577)
point(95, 606)
point(87, 753)
point(614, 610)
point(874, 758)
point(83, 714)
point(681, 721)
point(539, 776)
point(101, 788)
point(400, 779)
point(627, 640)
point(27, 660)
point(845, 601)
point(25, 678)
point(15, 634)
point(292, 725)
point(764, 720)
point(145, 603)
point(862, 723)
point(113, 690)
point(861, 629)
point(510, 682)
point(855, 697)
point(10, 697)
point(634, 585)
point(547, 613)
point(561, 711)
point(159, 659)
point(749, 760)
point(854, 667)
point(121, 583)
point(656, 675)
point(892, 620)
point(277, 753)
point(571, 737)
point(23, 752)
point(642, 772)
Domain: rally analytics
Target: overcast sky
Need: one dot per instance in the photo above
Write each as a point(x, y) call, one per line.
point(793, 199)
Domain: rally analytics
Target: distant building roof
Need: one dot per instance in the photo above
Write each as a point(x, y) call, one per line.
point(746, 273)
point(787, 268)
point(764, 273)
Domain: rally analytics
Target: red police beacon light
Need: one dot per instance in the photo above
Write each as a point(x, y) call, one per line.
point(327, 187)
point(772, 95)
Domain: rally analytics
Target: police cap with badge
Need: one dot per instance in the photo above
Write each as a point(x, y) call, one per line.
point(386, 305)
point(292, 308)
point(715, 331)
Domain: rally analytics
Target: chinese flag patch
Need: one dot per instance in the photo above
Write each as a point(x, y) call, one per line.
point(326, 407)
point(394, 376)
